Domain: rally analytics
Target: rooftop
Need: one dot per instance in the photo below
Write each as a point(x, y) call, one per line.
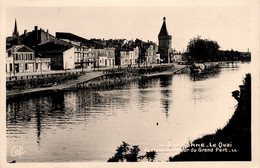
point(163, 31)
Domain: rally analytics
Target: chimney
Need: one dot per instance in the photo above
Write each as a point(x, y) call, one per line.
point(40, 35)
point(47, 33)
point(36, 33)
point(36, 28)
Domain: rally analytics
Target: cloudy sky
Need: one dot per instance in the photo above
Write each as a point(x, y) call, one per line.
point(230, 25)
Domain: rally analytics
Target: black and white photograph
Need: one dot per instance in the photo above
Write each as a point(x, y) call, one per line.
point(102, 84)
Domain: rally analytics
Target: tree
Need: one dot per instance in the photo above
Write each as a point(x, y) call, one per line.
point(126, 152)
point(150, 155)
point(121, 153)
point(203, 49)
point(133, 155)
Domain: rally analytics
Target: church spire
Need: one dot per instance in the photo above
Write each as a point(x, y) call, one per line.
point(163, 31)
point(15, 32)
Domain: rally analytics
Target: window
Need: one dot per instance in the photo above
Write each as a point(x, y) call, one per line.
point(36, 66)
point(25, 66)
point(11, 67)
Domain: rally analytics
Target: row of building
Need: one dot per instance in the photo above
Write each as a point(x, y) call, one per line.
point(40, 51)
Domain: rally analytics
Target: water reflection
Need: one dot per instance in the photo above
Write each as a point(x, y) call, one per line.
point(38, 118)
point(87, 125)
point(213, 73)
point(166, 93)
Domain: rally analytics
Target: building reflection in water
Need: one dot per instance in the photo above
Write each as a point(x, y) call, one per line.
point(38, 123)
point(144, 92)
point(59, 109)
point(30, 111)
point(86, 125)
point(166, 93)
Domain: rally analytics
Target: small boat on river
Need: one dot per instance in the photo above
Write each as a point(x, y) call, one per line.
point(194, 69)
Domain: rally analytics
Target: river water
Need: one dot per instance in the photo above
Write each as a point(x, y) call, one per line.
point(88, 125)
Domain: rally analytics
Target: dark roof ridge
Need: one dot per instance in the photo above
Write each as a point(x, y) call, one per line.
point(163, 31)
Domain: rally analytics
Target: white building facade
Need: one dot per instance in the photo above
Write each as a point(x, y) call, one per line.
point(20, 59)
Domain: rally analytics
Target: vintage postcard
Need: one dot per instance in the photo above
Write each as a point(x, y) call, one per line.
point(106, 83)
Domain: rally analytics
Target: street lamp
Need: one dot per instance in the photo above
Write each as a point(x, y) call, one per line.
point(13, 60)
point(82, 62)
point(81, 66)
point(41, 66)
point(40, 62)
point(94, 61)
point(66, 65)
point(10, 72)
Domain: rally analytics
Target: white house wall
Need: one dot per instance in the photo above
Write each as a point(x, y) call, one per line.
point(102, 61)
point(68, 59)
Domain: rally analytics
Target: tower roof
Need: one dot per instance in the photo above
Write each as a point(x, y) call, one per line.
point(15, 33)
point(163, 31)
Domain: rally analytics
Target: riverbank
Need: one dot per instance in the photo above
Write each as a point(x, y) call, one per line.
point(173, 70)
point(233, 142)
point(58, 86)
point(95, 79)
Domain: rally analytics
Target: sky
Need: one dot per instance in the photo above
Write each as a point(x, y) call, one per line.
point(231, 26)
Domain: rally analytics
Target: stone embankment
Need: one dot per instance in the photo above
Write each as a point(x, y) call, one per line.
point(93, 79)
point(172, 70)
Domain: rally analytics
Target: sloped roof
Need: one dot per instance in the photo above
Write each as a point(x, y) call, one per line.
point(126, 47)
point(52, 47)
point(90, 43)
point(163, 31)
point(15, 29)
point(10, 38)
point(20, 48)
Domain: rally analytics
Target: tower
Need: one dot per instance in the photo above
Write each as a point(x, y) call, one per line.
point(15, 32)
point(165, 43)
